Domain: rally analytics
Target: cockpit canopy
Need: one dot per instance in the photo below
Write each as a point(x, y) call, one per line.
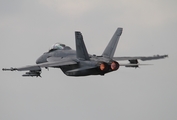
point(58, 46)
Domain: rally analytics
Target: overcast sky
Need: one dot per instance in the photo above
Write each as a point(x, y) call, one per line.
point(29, 28)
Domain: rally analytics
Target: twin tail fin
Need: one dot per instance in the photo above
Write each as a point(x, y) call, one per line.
point(112, 45)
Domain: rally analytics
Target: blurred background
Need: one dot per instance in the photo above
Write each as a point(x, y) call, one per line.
point(29, 28)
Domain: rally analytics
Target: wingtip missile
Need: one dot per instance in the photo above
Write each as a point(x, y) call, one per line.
point(9, 69)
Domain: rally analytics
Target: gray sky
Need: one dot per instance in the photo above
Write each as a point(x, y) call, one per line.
point(29, 28)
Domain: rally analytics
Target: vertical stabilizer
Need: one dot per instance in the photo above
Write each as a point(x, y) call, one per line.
point(81, 51)
point(111, 47)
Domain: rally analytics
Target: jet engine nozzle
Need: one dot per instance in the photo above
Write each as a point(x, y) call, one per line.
point(108, 67)
point(103, 67)
point(114, 66)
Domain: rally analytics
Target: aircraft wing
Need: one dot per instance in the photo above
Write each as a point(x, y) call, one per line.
point(53, 62)
point(143, 58)
point(46, 65)
point(57, 62)
point(134, 60)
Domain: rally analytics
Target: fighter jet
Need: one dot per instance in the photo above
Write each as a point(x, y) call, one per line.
point(79, 63)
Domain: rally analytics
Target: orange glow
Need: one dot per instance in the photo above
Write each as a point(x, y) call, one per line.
point(102, 66)
point(114, 65)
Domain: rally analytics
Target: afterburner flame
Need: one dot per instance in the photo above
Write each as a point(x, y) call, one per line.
point(114, 65)
point(102, 67)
